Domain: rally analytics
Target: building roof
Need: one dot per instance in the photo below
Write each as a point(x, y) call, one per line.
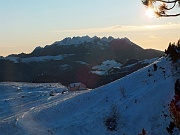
point(75, 84)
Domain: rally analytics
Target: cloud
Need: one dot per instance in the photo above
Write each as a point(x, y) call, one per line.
point(155, 37)
point(116, 27)
point(123, 28)
point(88, 30)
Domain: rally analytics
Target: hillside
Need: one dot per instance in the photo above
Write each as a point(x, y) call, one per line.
point(73, 60)
point(139, 100)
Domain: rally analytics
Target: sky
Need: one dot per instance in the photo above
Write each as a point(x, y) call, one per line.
point(26, 24)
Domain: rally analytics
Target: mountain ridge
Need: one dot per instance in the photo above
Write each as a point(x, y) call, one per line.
point(85, 41)
point(74, 62)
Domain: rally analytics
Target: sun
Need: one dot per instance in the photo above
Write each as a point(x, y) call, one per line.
point(150, 12)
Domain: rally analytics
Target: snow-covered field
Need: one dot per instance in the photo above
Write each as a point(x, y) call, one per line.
point(36, 59)
point(140, 99)
point(105, 66)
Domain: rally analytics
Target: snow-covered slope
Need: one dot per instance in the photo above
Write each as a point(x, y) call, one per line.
point(141, 100)
point(105, 66)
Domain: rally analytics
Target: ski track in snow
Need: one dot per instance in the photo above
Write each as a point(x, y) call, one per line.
point(36, 106)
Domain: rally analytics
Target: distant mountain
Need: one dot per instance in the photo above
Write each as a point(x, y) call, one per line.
point(110, 46)
point(74, 59)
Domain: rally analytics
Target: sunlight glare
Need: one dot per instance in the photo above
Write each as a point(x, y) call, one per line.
point(150, 12)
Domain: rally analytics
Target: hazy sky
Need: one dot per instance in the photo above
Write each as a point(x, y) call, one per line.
point(25, 24)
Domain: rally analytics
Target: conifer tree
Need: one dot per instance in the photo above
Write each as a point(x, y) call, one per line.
point(174, 51)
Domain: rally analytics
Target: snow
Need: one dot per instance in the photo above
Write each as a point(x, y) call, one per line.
point(149, 61)
point(74, 84)
point(37, 59)
point(64, 66)
point(141, 102)
point(82, 62)
point(146, 61)
point(84, 39)
point(105, 66)
point(99, 72)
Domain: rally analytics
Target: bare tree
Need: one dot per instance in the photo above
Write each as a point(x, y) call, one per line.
point(162, 7)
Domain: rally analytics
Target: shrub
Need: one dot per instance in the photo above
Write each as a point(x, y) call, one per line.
point(111, 121)
point(155, 67)
point(123, 92)
point(175, 113)
point(170, 128)
point(143, 132)
point(173, 51)
point(175, 109)
point(177, 88)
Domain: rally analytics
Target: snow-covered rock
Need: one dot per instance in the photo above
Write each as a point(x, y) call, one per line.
point(84, 39)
